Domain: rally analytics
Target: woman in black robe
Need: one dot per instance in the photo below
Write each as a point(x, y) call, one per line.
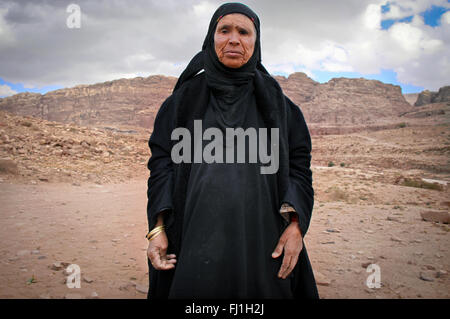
point(229, 230)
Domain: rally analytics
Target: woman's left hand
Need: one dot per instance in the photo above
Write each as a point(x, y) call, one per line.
point(291, 242)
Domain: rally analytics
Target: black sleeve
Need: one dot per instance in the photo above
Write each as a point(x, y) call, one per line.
point(300, 193)
point(160, 182)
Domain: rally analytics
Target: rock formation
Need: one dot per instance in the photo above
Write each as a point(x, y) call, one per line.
point(135, 102)
point(131, 102)
point(428, 97)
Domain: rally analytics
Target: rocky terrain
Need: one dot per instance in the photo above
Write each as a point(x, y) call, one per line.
point(338, 102)
point(428, 97)
point(120, 102)
point(74, 194)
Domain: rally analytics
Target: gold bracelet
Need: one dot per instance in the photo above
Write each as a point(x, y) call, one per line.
point(154, 231)
point(155, 234)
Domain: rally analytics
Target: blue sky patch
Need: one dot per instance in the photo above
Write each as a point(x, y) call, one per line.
point(386, 24)
point(18, 87)
point(431, 16)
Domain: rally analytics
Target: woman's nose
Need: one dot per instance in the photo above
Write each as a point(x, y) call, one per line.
point(234, 38)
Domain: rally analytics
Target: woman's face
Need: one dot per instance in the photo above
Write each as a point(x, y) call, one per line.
point(234, 40)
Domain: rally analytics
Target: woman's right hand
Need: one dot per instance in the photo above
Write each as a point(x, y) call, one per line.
point(156, 252)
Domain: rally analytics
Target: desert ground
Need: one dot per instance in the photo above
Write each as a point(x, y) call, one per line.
point(77, 195)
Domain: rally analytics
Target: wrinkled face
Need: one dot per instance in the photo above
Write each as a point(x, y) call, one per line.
point(234, 40)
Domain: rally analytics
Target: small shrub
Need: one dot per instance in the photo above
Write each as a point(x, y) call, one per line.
point(330, 164)
point(402, 125)
point(342, 164)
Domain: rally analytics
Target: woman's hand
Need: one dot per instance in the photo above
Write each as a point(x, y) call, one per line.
point(156, 252)
point(157, 249)
point(291, 242)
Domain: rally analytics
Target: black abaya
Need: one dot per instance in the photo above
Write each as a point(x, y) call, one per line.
point(231, 224)
point(223, 220)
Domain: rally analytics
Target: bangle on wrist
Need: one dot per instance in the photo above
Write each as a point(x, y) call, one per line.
point(154, 232)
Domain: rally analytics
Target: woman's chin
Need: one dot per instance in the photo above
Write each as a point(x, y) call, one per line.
point(232, 63)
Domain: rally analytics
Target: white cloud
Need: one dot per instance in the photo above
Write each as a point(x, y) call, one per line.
point(372, 17)
point(445, 19)
point(142, 37)
point(5, 90)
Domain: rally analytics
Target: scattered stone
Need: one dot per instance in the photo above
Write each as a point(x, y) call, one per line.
point(366, 264)
point(42, 257)
point(56, 266)
point(87, 279)
point(396, 239)
point(417, 241)
point(393, 219)
point(430, 267)
point(125, 286)
point(426, 276)
point(436, 216)
point(35, 252)
point(441, 273)
point(327, 242)
point(45, 296)
point(333, 230)
point(321, 279)
point(8, 166)
point(94, 295)
point(23, 252)
point(141, 288)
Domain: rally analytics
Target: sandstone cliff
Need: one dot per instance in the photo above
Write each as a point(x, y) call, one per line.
point(129, 102)
point(428, 97)
point(135, 102)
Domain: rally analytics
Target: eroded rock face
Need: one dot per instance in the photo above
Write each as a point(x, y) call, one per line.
point(135, 102)
point(355, 101)
point(428, 97)
point(131, 102)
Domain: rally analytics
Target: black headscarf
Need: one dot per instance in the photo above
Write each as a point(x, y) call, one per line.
point(207, 59)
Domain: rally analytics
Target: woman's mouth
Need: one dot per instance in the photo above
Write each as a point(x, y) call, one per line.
point(233, 54)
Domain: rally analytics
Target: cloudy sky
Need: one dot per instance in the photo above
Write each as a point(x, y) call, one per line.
point(404, 42)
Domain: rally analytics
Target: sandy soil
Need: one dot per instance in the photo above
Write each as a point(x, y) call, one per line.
point(78, 196)
point(101, 228)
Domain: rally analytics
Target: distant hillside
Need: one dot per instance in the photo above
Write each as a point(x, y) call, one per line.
point(428, 97)
point(135, 102)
